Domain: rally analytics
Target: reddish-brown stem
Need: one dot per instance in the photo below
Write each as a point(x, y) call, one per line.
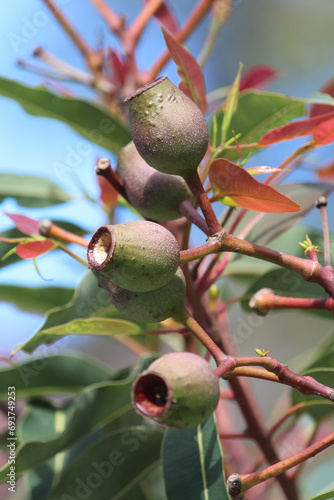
point(265, 300)
point(134, 31)
point(192, 325)
point(114, 21)
point(47, 228)
point(254, 478)
point(64, 22)
point(286, 415)
point(196, 187)
point(212, 246)
point(193, 20)
point(187, 209)
point(304, 384)
point(104, 169)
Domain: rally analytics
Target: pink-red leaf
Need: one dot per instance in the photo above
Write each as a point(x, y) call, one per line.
point(231, 180)
point(166, 18)
point(264, 170)
point(292, 130)
point(258, 77)
point(192, 79)
point(24, 224)
point(321, 109)
point(118, 67)
point(33, 249)
point(108, 194)
point(324, 134)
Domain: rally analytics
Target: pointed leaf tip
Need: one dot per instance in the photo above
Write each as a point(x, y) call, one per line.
point(24, 224)
point(192, 79)
point(231, 181)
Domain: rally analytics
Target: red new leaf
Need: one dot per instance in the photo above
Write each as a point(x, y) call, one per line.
point(118, 68)
point(321, 109)
point(24, 224)
point(192, 79)
point(108, 194)
point(324, 134)
point(33, 249)
point(237, 185)
point(258, 76)
point(165, 18)
point(292, 130)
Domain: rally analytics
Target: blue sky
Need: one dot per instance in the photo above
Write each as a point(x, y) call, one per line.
point(296, 37)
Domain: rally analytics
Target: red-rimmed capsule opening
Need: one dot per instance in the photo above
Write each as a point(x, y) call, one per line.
point(150, 395)
point(101, 248)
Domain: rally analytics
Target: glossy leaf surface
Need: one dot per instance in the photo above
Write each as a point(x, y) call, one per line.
point(87, 119)
point(33, 249)
point(232, 181)
point(192, 463)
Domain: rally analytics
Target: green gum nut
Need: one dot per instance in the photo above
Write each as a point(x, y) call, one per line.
point(139, 256)
point(168, 129)
point(147, 307)
point(155, 195)
point(179, 389)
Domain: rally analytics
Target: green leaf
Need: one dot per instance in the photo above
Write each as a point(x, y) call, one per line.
point(286, 283)
point(231, 103)
point(89, 120)
point(89, 326)
point(192, 463)
point(258, 112)
point(63, 373)
point(32, 191)
point(329, 495)
point(112, 466)
point(88, 301)
point(37, 300)
point(42, 421)
point(95, 407)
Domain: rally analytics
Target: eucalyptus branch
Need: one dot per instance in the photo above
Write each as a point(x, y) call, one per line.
point(47, 228)
point(135, 30)
point(104, 169)
point(115, 22)
point(304, 384)
point(321, 204)
point(238, 484)
point(265, 300)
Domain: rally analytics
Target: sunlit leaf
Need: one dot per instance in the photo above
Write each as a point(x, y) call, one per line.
point(32, 191)
point(324, 133)
point(94, 326)
point(89, 301)
point(89, 120)
point(258, 76)
point(298, 128)
point(232, 181)
point(192, 463)
point(192, 79)
point(257, 113)
point(33, 249)
point(24, 224)
point(231, 103)
point(263, 170)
